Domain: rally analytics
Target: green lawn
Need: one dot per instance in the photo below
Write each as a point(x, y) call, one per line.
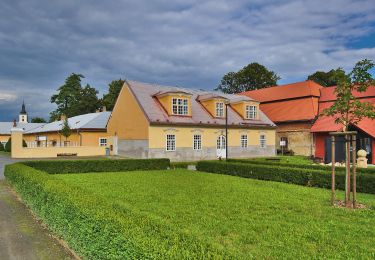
point(244, 218)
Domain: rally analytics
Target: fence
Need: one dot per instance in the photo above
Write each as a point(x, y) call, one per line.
point(36, 144)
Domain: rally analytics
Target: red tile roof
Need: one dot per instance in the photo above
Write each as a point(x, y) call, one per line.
point(327, 124)
point(291, 110)
point(291, 102)
point(289, 91)
point(327, 94)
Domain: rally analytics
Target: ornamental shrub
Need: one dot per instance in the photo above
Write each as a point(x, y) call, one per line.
point(85, 166)
point(294, 175)
point(8, 145)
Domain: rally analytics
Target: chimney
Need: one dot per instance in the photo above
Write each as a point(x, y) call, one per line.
point(104, 109)
point(14, 123)
point(63, 117)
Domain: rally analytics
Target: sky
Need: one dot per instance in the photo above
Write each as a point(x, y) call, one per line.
point(189, 43)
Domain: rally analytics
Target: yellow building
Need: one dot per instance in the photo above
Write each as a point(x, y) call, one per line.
point(152, 121)
point(86, 130)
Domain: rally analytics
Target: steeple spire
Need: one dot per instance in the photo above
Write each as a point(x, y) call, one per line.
point(23, 114)
point(23, 110)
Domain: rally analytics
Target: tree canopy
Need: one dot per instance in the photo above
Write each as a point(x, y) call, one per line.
point(38, 120)
point(325, 79)
point(114, 89)
point(251, 77)
point(347, 109)
point(72, 99)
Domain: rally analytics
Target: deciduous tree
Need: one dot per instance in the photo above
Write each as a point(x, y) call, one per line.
point(251, 77)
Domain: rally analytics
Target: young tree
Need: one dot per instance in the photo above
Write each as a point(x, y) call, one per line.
point(325, 79)
point(38, 120)
point(347, 109)
point(251, 77)
point(114, 89)
point(65, 130)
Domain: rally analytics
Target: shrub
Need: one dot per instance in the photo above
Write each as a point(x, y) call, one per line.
point(2, 148)
point(8, 145)
point(326, 168)
point(84, 166)
point(181, 165)
point(103, 231)
point(295, 175)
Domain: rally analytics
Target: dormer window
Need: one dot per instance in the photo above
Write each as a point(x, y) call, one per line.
point(251, 112)
point(219, 109)
point(180, 106)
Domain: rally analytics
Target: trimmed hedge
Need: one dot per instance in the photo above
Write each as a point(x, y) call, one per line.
point(300, 176)
point(181, 165)
point(302, 166)
point(85, 166)
point(105, 231)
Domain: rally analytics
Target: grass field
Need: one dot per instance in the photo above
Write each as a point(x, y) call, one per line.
point(244, 218)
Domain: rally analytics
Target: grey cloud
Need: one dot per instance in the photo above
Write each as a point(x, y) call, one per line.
point(185, 43)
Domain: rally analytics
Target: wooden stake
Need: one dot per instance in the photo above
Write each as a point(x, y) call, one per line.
point(347, 171)
point(333, 184)
point(354, 159)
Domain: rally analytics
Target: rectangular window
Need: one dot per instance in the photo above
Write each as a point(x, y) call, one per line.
point(180, 106)
point(197, 142)
point(219, 109)
point(102, 141)
point(171, 143)
point(251, 112)
point(262, 141)
point(243, 141)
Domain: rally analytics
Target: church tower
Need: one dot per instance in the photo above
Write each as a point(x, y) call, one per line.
point(23, 114)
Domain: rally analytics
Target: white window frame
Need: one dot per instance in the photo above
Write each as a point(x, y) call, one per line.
point(244, 141)
point(251, 112)
point(262, 141)
point(197, 142)
point(102, 144)
point(170, 142)
point(219, 109)
point(180, 106)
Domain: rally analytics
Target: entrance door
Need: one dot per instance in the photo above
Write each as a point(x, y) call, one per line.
point(221, 146)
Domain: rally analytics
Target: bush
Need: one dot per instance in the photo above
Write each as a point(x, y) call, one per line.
point(326, 168)
point(181, 165)
point(8, 145)
point(103, 231)
point(84, 166)
point(295, 175)
point(2, 148)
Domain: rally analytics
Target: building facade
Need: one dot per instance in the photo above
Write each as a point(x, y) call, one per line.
point(293, 108)
point(324, 125)
point(152, 121)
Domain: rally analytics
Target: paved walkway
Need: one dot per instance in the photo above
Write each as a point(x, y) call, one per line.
point(21, 236)
point(3, 161)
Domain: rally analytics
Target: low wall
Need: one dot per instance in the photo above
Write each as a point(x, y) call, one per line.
point(50, 152)
point(20, 152)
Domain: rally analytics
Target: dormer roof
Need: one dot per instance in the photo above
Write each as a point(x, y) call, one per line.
point(145, 94)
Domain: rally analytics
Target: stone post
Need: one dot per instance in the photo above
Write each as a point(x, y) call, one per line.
point(17, 137)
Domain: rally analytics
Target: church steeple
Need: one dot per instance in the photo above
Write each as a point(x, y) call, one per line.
point(23, 114)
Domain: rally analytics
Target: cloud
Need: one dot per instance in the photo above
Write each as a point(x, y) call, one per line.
point(185, 43)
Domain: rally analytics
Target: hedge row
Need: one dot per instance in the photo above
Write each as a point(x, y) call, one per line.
point(104, 231)
point(300, 176)
point(303, 166)
point(84, 166)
